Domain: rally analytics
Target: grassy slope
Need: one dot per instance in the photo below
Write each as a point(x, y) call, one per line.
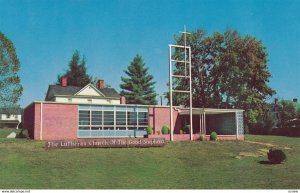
point(200, 165)
point(5, 132)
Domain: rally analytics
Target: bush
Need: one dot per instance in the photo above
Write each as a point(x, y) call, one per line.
point(23, 134)
point(213, 136)
point(202, 138)
point(187, 129)
point(149, 130)
point(276, 156)
point(165, 130)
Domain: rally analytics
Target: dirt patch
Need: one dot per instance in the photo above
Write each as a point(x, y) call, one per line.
point(260, 152)
point(261, 143)
point(249, 154)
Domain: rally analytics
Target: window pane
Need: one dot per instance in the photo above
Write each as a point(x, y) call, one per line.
point(96, 117)
point(108, 108)
point(120, 108)
point(84, 107)
point(143, 118)
point(142, 128)
point(121, 128)
point(97, 108)
point(131, 128)
point(121, 118)
point(84, 128)
point(95, 128)
point(84, 117)
point(108, 128)
point(108, 118)
point(132, 118)
point(131, 108)
point(142, 109)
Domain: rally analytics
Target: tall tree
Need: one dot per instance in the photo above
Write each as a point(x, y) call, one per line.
point(10, 87)
point(138, 86)
point(76, 74)
point(228, 71)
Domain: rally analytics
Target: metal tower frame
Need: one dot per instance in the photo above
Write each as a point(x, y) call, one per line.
point(171, 76)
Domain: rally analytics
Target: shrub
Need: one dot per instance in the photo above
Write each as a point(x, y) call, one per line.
point(276, 156)
point(23, 134)
point(202, 138)
point(149, 130)
point(165, 130)
point(213, 136)
point(187, 129)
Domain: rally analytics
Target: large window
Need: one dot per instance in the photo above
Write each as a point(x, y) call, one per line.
point(110, 121)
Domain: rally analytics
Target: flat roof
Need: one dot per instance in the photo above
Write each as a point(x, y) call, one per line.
point(212, 111)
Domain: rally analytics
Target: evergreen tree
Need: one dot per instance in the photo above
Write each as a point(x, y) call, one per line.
point(138, 87)
point(76, 74)
point(10, 87)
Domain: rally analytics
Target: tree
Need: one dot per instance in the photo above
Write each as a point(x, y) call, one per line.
point(10, 87)
point(76, 74)
point(138, 86)
point(228, 71)
point(286, 111)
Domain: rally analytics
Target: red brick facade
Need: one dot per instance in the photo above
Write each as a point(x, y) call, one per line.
point(160, 116)
point(59, 121)
point(55, 121)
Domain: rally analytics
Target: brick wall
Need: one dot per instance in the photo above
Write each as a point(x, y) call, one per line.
point(29, 120)
point(160, 116)
point(59, 121)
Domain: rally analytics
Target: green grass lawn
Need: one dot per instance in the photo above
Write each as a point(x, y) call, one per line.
point(5, 132)
point(179, 165)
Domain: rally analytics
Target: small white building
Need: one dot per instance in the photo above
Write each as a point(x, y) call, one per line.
point(10, 117)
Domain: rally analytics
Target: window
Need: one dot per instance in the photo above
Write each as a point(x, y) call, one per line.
point(84, 117)
point(97, 118)
point(120, 118)
point(143, 118)
point(131, 118)
point(108, 118)
point(112, 121)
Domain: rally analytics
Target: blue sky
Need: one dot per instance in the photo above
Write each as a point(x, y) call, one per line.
point(110, 33)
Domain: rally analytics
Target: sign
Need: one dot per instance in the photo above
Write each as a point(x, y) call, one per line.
point(107, 142)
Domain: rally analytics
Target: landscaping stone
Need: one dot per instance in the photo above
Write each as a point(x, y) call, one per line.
point(12, 135)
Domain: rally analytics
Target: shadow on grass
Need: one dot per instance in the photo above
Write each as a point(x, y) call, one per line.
point(267, 163)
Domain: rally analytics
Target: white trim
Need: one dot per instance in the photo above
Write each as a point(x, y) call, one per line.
point(91, 85)
point(197, 111)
